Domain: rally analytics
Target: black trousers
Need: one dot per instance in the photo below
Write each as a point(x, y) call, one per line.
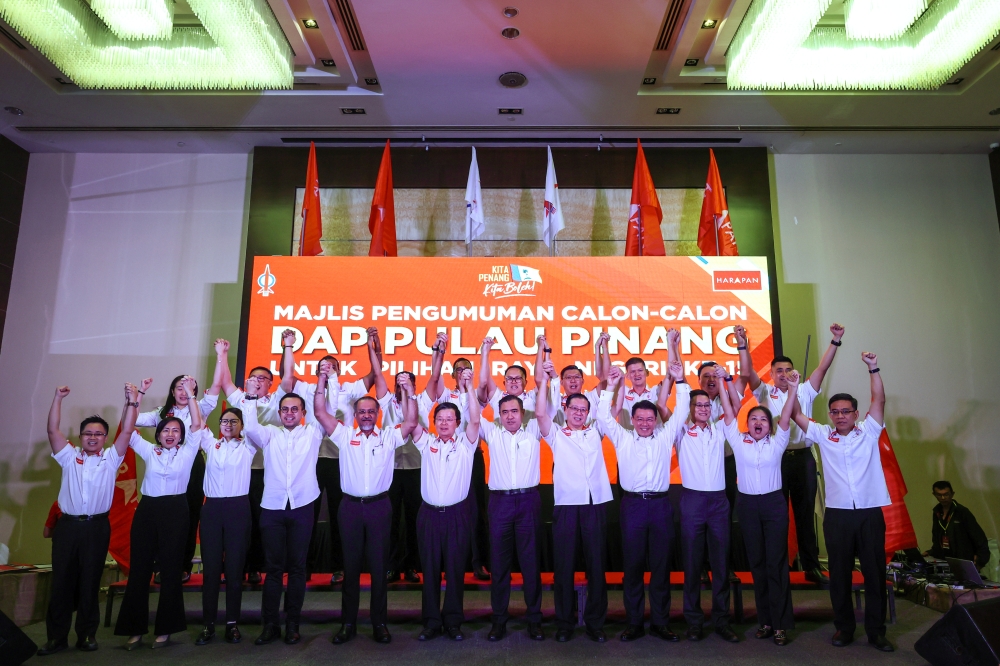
point(225, 536)
point(443, 534)
point(798, 477)
point(857, 533)
point(159, 528)
point(195, 498)
point(705, 518)
point(479, 498)
point(516, 522)
point(364, 531)
point(764, 522)
point(404, 494)
point(647, 543)
point(328, 478)
point(286, 533)
point(79, 548)
point(582, 527)
point(255, 553)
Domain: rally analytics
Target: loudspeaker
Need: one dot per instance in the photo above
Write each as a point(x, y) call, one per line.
point(966, 636)
point(15, 646)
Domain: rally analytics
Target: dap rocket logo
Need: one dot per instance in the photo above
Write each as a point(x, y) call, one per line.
point(266, 281)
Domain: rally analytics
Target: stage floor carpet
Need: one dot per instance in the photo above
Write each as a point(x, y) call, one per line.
point(810, 640)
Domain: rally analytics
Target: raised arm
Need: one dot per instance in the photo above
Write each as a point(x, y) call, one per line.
point(747, 373)
point(797, 416)
point(374, 360)
point(197, 422)
point(474, 415)
point(619, 389)
point(328, 421)
point(486, 384)
point(877, 409)
point(600, 369)
point(57, 440)
point(222, 371)
point(664, 395)
point(435, 385)
point(610, 428)
point(133, 397)
point(542, 401)
point(602, 339)
point(727, 403)
point(541, 356)
point(791, 402)
point(411, 413)
point(259, 435)
point(816, 378)
point(287, 361)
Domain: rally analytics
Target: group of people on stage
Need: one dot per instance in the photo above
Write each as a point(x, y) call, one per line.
point(335, 436)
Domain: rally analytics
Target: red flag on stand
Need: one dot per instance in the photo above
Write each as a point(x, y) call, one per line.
point(312, 222)
point(715, 231)
point(645, 214)
point(899, 534)
point(123, 505)
point(382, 220)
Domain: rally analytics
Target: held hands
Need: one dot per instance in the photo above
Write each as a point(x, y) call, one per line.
point(221, 346)
point(488, 344)
point(870, 359)
point(676, 371)
point(550, 369)
point(465, 380)
point(543, 343)
point(441, 342)
point(131, 392)
point(720, 372)
point(793, 378)
point(373, 340)
point(189, 384)
point(602, 340)
point(614, 376)
point(62, 392)
point(288, 338)
point(740, 333)
point(252, 385)
point(673, 337)
point(838, 331)
point(403, 381)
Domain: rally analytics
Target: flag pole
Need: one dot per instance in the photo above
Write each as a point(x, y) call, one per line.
point(639, 220)
point(716, 227)
point(805, 366)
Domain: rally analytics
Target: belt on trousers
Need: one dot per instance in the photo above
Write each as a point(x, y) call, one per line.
point(645, 496)
point(795, 452)
point(366, 500)
point(516, 491)
point(442, 509)
point(96, 516)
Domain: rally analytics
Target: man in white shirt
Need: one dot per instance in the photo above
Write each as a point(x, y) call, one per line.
point(853, 525)
point(290, 490)
point(327, 465)
point(582, 490)
point(81, 536)
point(798, 465)
point(515, 512)
point(515, 381)
point(638, 375)
point(443, 520)
point(647, 519)
point(571, 380)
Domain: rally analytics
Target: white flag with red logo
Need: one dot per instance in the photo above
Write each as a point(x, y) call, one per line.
point(475, 221)
point(553, 218)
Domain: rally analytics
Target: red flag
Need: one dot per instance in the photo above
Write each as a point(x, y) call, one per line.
point(715, 232)
point(123, 505)
point(382, 220)
point(899, 534)
point(312, 222)
point(645, 214)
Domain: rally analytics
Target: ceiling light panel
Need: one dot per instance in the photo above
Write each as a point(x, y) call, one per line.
point(136, 19)
point(880, 19)
point(239, 47)
point(780, 47)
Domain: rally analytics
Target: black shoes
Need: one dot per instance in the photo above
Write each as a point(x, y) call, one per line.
point(86, 644)
point(391, 576)
point(411, 576)
point(337, 578)
point(727, 634)
point(764, 631)
point(564, 635)
point(454, 633)
point(51, 647)
point(346, 633)
point(270, 634)
point(842, 639)
point(817, 575)
point(206, 635)
point(633, 632)
point(694, 633)
point(185, 577)
point(254, 578)
point(663, 631)
point(497, 632)
point(535, 631)
point(233, 634)
point(597, 635)
point(879, 643)
point(480, 572)
point(292, 633)
point(429, 633)
point(380, 633)
point(780, 637)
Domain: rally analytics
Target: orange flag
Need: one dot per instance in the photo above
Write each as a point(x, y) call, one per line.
point(312, 222)
point(715, 232)
point(645, 214)
point(123, 505)
point(382, 220)
point(899, 534)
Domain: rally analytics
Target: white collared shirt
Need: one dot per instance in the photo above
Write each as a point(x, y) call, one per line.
point(701, 453)
point(774, 399)
point(167, 470)
point(88, 481)
point(289, 461)
point(579, 474)
point(227, 468)
point(514, 457)
point(151, 419)
point(344, 410)
point(267, 413)
point(644, 462)
point(758, 463)
point(527, 402)
point(557, 407)
point(631, 397)
point(407, 456)
point(447, 468)
point(366, 460)
point(852, 465)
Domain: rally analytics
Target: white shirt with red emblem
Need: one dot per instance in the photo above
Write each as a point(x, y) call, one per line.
point(579, 475)
point(88, 481)
point(514, 456)
point(227, 466)
point(407, 456)
point(167, 470)
point(651, 393)
point(289, 461)
point(557, 408)
point(774, 399)
point(367, 460)
point(758, 463)
point(447, 468)
point(151, 419)
point(701, 453)
point(852, 465)
point(644, 462)
point(343, 410)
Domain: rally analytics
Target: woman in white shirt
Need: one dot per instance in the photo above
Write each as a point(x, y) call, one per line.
point(225, 520)
point(762, 508)
point(160, 527)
